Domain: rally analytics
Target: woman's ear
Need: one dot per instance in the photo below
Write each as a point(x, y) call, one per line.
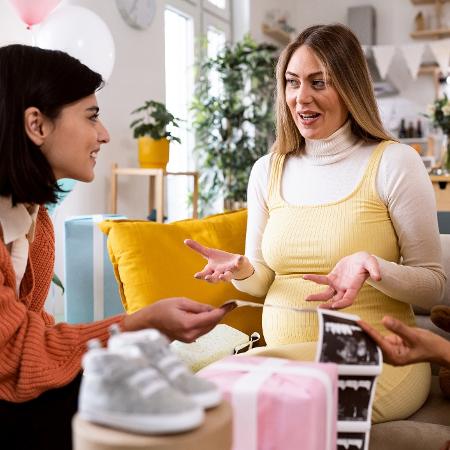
point(36, 125)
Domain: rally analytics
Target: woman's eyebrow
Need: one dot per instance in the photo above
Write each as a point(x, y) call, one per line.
point(93, 109)
point(314, 74)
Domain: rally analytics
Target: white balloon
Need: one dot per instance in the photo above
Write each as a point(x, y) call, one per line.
point(80, 33)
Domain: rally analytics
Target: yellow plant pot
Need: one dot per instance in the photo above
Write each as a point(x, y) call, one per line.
point(153, 154)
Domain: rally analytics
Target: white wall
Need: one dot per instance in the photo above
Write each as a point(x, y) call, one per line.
point(395, 21)
point(258, 9)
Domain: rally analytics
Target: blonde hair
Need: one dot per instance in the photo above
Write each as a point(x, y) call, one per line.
point(341, 55)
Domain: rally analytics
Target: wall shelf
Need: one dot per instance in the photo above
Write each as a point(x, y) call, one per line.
point(431, 34)
point(277, 34)
point(433, 70)
point(417, 140)
point(427, 2)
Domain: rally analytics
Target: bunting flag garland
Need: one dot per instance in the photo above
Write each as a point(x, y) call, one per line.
point(366, 50)
point(413, 56)
point(412, 53)
point(383, 55)
point(441, 51)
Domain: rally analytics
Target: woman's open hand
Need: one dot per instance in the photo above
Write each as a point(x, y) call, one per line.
point(221, 266)
point(345, 280)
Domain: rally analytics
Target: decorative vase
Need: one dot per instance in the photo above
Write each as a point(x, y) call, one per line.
point(153, 154)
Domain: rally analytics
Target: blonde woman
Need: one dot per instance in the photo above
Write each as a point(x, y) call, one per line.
point(336, 203)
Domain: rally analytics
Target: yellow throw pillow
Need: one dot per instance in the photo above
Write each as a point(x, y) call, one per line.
point(151, 262)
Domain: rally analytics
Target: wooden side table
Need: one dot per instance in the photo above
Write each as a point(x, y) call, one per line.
point(215, 434)
point(156, 191)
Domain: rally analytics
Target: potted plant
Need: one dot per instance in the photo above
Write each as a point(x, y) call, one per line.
point(150, 128)
point(233, 120)
point(439, 114)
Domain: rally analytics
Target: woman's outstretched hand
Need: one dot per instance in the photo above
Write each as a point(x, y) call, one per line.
point(221, 266)
point(408, 345)
point(345, 280)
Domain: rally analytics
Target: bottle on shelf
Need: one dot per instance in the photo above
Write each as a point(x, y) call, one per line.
point(410, 130)
point(402, 133)
point(419, 132)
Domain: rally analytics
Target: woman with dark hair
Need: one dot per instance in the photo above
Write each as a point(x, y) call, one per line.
point(337, 202)
point(50, 129)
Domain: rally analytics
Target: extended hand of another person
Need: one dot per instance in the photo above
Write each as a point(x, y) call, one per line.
point(408, 345)
point(177, 318)
point(345, 280)
point(221, 266)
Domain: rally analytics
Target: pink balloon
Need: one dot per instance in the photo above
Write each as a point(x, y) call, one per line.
point(34, 11)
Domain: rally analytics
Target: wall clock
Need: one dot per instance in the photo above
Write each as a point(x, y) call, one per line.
point(137, 13)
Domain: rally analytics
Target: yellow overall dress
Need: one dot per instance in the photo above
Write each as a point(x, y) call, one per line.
point(312, 239)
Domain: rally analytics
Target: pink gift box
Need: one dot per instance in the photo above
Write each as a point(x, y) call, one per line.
point(278, 404)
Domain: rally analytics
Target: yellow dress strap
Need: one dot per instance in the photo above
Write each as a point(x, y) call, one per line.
point(370, 175)
point(275, 172)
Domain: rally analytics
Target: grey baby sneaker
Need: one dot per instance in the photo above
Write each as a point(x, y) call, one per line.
point(119, 389)
point(155, 347)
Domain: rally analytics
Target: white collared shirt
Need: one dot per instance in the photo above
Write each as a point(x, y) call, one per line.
point(18, 224)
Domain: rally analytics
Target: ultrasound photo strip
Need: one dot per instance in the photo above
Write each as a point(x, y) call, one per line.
point(355, 383)
point(341, 328)
point(359, 361)
point(355, 398)
point(343, 342)
point(352, 441)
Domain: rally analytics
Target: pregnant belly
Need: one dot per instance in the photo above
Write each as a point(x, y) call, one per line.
point(281, 327)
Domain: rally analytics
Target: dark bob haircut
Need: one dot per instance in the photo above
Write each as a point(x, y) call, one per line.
point(47, 80)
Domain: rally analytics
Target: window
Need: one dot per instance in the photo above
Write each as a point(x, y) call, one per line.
point(185, 21)
point(179, 83)
point(219, 3)
point(219, 8)
point(216, 40)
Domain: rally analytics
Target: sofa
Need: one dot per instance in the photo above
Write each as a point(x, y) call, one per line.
point(151, 262)
point(429, 427)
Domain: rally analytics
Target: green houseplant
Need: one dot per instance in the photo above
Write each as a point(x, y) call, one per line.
point(233, 119)
point(150, 128)
point(439, 114)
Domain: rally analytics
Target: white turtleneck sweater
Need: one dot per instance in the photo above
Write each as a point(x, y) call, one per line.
point(330, 169)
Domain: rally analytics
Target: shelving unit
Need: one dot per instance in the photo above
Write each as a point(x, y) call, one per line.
point(429, 69)
point(431, 34)
point(439, 31)
point(277, 34)
point(434, 71)
point(409, 141)
point(156, 190)
point(427, 2)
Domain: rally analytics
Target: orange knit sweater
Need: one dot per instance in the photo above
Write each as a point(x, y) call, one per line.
point(35, 354)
